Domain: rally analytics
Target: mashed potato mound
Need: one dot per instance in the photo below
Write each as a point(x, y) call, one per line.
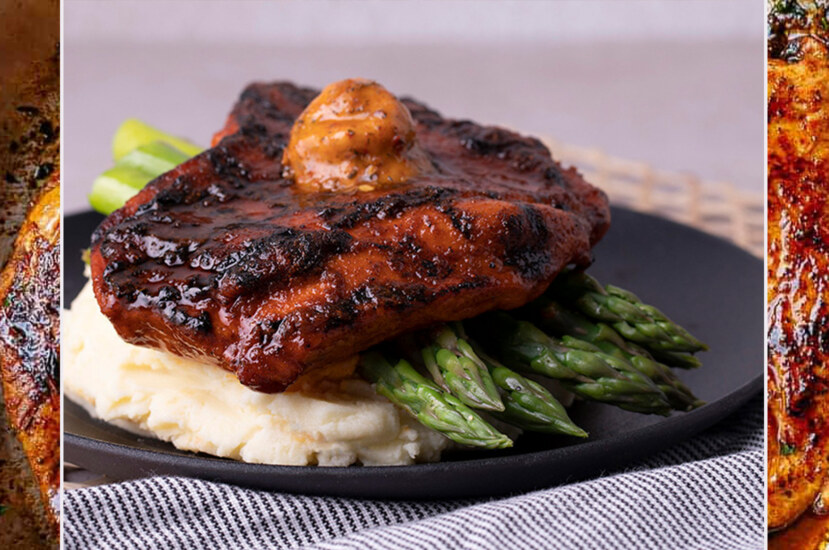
point(201, 407)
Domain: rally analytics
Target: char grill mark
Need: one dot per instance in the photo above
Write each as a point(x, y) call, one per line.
point(221, 259)
point(524, 236)
point(276, 259)
point(390, 206)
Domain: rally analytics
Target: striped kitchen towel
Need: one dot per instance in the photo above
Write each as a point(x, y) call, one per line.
point(705, 493)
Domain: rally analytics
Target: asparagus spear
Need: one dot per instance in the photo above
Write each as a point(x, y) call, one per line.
point(141, 153)
point(677, 359)
point(405, 387)
point(679, 395)
point(133, 133)
point(528, 404)
point(555, 318)
point(636, 321)
point(621, 361)
point(131, 173)
point(454, 366)
point(558, 319)
point(584, 372)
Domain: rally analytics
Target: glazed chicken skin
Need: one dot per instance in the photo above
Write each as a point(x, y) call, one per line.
point(383, 218)
point(798, 282)
point(30, 342)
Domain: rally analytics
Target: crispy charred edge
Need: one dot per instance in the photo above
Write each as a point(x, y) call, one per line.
point(267, 264)
point(525, 244)
point(256, 105)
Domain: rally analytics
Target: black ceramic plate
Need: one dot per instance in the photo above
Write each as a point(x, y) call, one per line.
point(706, 284)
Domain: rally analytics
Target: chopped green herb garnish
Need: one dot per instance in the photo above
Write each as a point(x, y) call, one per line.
point(786, 449)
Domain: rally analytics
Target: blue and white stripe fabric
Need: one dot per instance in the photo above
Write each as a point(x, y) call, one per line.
point(705, 493)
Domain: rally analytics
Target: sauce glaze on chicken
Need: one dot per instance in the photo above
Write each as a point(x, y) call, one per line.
point(30, 342)
point(231, 259)
point(798, 270)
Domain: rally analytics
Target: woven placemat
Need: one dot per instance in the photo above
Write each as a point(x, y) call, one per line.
point(718, 208)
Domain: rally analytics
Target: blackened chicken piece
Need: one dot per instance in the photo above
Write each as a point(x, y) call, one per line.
point(30, 342)
point(224, 259)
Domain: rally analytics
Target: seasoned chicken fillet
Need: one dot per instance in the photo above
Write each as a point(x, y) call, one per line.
point(226, 258)
point(30, 342)
point(798, 281)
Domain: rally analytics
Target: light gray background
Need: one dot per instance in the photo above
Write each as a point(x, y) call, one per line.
point(677, 84)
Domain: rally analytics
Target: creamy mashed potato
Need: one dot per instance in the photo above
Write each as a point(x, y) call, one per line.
point(201, 407)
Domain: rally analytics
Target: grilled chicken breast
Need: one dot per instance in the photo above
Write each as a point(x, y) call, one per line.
point(30, 342)
point(798, 280)
point(225, 260)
